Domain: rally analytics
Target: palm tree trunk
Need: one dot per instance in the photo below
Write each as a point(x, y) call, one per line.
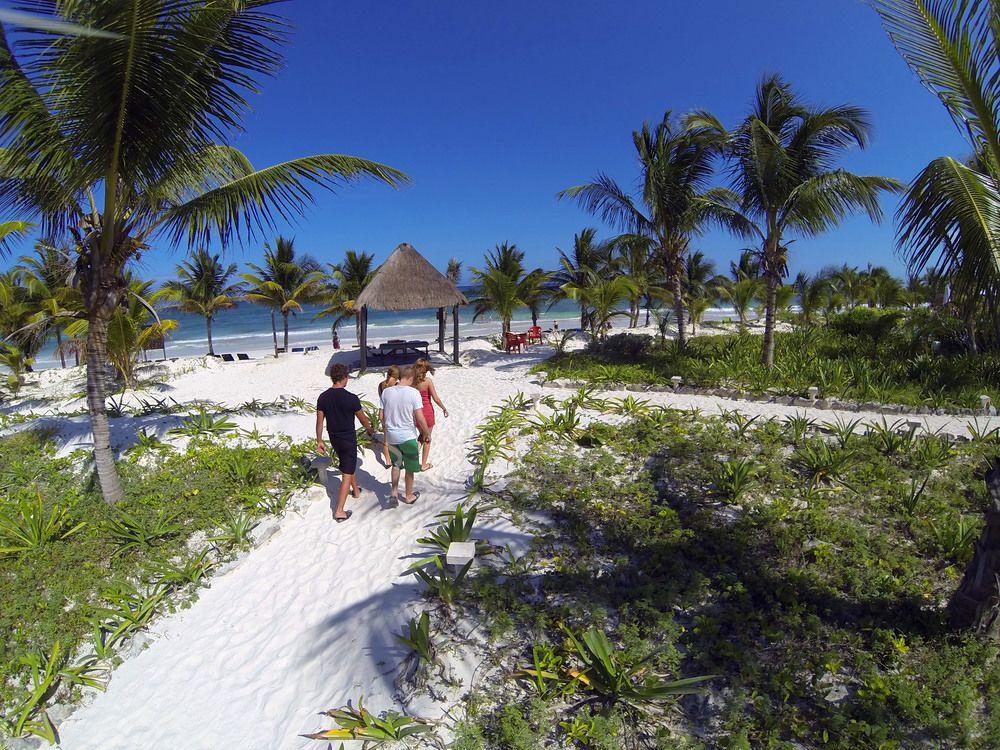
point(767, 354)
point(208, 330)
point(104, 460)
point(59, 348)
point(679, 309)
point(274, 333)
point(285, 316)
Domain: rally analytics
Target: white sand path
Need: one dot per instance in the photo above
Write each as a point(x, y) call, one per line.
point(306, 621)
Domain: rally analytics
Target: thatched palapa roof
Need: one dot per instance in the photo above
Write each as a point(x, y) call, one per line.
point(407, 281)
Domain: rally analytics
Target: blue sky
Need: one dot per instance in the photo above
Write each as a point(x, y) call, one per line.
point(492, 108)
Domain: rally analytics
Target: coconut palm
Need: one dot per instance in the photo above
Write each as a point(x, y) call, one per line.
point(118, 138)
point(47, 276)
point(675, 203)
point(851, 285)
point(283, 284)
point(741, 294)
point(504, 285)
point(949, 218)
point(588, 255)
point(635, 258)
point(811, 291)
point(454, 274)
point(17, 363)
point(346, 280)
point(701, 286)
point(11, 231)
point(604, 297)
point(203, 288)
point(782, 158)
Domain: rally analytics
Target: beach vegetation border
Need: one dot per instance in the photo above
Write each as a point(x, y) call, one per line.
point(820, 605)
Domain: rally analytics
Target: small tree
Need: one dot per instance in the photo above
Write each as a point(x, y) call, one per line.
point(203, 288)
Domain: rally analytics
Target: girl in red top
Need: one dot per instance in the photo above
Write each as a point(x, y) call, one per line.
point(422, 370)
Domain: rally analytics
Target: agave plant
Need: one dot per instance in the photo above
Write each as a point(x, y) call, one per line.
point(457, 527)
point(235, 530)
point(361, 724)
point(418, 640)
point(629, 406)
point(185, 572)
point(843, 430)
point(439, 580)
point(891, 439)
point(822, 462)
point(799, 426)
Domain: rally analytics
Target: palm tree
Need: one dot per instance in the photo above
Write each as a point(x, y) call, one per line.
point(47, 276)
point(675, 166)
point(812, 291)
point(346, 281)
point(782, 156)
point(454, 274)
point(851, 285)
point(504, 285)
point(283, 284)
point(588, 255)
point(203, 288)
point(949, 218)
point(10, 231)
point(604, 296)
point(137, 116)
point(741, 294)
point(636, 260)
point(701, 286)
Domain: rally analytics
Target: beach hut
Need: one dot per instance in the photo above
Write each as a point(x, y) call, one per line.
point(407, 281)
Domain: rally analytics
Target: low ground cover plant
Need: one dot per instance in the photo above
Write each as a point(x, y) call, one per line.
point(866, 355)
point(80, 577)
point(815, 594)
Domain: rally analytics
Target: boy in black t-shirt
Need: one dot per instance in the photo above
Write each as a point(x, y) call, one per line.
point(338, 407)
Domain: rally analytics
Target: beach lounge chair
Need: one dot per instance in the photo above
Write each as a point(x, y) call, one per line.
point(312, 349)
point(535, 334)
point(228, 358)
point(243, 357)
point(416, 346)
point(297, 350)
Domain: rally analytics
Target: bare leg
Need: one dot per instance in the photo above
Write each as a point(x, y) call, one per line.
point(409, 487)
point(395, 483)
point(346, 480)
point(355, 490)
point(424, 464)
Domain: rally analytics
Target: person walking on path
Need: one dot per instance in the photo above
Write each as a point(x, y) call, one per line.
point(404, 423)
point(422, 370)
point(391, 379)
point(338, 407)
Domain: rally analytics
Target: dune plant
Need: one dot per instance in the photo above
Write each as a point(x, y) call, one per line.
point(616, 677)
point(735, 477)
point(234, 530)
point(891, 439)
point(954, 535)
point(822, 462)
point(29, 717)
point(547, 674)
point(931, 452)
point(129, 531)
point(843, 430)
point(418, 640)
point(26, 525)
point(439, 580)
point(187, 571)
point(457, 527)
point(911, 498)
point(361, 724)
point(628, 406)
point(203, 424)
point(799, 425)
point(126, 611)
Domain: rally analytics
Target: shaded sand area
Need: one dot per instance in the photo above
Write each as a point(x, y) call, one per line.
point(305, 621)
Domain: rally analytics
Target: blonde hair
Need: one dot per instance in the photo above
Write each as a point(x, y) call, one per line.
point(391, 374)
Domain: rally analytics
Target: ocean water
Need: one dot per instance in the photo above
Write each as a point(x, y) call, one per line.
point(247, 328)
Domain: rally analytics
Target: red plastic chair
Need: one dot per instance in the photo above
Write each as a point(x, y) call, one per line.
point(511, 341)
point(534, 335)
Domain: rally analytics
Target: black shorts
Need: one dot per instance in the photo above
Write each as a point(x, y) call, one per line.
point(346, 450)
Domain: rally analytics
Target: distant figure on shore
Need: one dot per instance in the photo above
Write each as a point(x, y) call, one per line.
point(336, 339)
point(404, 422)
point(338, 407)
point(555, 326)
point(391, 379)
point(422, 370)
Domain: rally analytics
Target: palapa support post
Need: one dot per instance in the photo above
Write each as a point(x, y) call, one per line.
point(441, 329)
point(976, 603)
point(364, 339)
point(454, 314)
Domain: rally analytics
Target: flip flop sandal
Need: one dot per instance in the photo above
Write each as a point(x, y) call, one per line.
point(345, 518)
point(416, 496)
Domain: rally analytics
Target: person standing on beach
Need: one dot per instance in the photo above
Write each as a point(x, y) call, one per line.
point(404, 423)
point(422, 370)
point(338, 407)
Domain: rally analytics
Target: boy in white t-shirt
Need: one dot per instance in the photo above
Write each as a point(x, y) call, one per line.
point(404, 422)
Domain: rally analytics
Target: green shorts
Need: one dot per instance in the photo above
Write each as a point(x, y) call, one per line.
point(405, 455)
